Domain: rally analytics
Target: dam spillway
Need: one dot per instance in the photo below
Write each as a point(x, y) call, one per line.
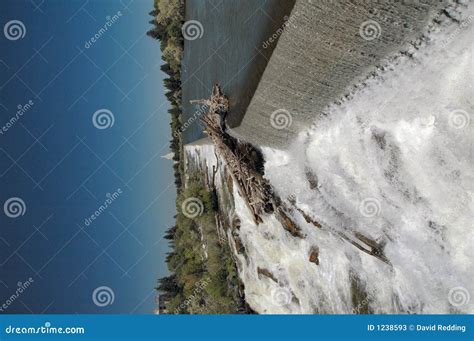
point(322, 48)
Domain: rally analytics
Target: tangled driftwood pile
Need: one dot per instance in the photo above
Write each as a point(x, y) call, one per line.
point(238, 156)
point(242, 159)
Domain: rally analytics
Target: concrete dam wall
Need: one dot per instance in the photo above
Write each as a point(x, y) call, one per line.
point(230, 50)
point(324, 49)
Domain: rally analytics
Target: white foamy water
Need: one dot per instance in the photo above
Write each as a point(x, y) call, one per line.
point(393, 163)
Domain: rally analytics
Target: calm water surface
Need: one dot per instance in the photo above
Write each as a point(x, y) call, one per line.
point(231, 52)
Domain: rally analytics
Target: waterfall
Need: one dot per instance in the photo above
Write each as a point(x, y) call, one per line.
point(393, 163)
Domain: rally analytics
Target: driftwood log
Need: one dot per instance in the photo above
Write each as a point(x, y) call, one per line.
point(255, 190)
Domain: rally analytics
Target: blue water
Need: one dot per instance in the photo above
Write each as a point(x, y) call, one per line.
point(231, 52)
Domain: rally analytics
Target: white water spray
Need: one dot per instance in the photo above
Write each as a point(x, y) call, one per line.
point(394, 163)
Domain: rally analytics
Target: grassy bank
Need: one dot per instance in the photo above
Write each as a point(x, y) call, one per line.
point(203, 275)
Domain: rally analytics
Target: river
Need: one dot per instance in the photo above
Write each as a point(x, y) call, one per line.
point(231, 51)
point(394, 163)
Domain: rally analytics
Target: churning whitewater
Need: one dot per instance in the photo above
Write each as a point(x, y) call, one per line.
point(393, 163)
